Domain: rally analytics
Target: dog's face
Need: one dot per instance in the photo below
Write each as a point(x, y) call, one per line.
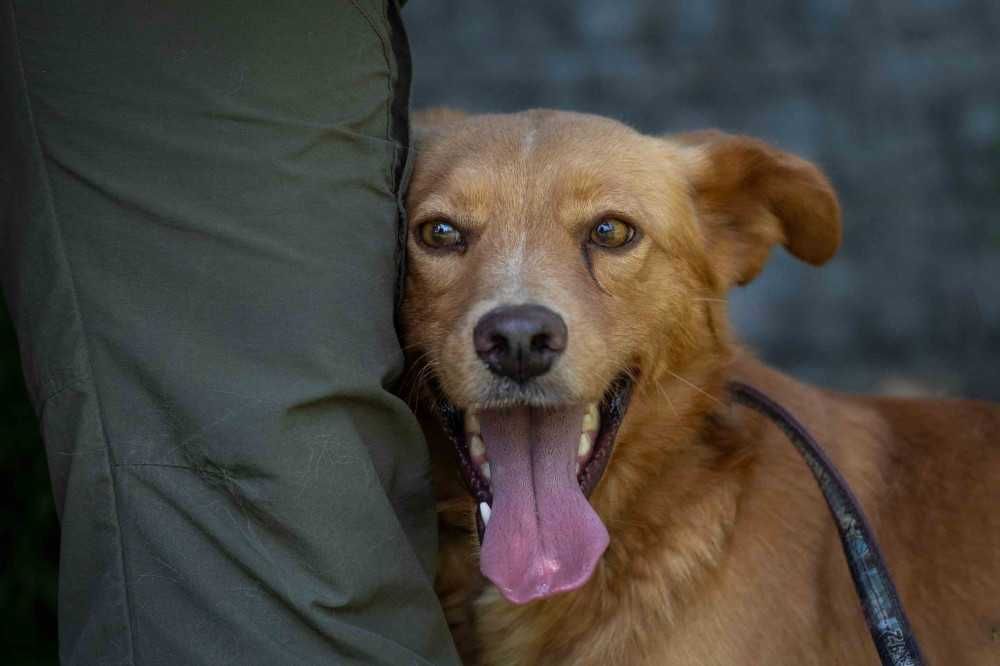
point(554, 261)
point(578, 216)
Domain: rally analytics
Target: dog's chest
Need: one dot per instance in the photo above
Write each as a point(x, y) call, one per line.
point(585, 638)
point(588, 627)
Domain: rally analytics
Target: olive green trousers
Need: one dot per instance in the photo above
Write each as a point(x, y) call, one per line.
point(199, 230)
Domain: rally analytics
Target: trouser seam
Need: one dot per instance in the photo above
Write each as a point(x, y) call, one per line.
point(59, 250)
point(402, 159)
point(62, 386)
point(390, 172)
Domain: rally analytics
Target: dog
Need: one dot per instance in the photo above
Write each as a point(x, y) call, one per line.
point(565, 320)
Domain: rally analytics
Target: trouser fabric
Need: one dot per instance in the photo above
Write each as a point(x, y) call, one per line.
point(199, 230)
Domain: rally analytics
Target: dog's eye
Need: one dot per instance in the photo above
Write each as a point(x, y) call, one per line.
point(610, 232)
point(440, 234)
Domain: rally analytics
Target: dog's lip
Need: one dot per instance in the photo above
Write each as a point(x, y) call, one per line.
point(612, 408)
point(453, 420)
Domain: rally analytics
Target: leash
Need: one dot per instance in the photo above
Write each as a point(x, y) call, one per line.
point(884, 615)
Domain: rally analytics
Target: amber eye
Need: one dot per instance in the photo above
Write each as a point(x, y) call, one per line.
point(610, 232)
point(441, 235)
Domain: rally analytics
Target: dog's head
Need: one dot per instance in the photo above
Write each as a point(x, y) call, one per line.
point(557, 262)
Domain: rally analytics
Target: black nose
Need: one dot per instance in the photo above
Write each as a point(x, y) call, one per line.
point(520, 341)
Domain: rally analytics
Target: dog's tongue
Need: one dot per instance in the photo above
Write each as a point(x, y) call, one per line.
point(543, 537)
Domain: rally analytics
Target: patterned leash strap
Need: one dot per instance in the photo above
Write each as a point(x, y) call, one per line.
point(887, 622)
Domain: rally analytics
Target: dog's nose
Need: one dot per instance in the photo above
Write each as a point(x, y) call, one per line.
point(520, 341)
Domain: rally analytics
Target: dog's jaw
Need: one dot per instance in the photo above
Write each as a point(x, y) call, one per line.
point(665, 469)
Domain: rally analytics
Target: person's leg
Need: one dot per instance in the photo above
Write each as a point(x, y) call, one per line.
point(198, 221)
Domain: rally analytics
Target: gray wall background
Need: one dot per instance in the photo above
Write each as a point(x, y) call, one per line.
point(898, 101)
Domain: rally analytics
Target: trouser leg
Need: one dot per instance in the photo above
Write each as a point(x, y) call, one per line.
point(199, 221)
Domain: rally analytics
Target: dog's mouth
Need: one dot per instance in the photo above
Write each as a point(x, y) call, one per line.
point(531, 470)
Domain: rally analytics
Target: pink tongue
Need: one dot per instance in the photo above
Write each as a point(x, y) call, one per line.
point(543, 536)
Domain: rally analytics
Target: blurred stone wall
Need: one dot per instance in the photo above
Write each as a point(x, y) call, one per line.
point(898, 101)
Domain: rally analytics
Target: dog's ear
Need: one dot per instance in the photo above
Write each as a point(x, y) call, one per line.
point(750, 196)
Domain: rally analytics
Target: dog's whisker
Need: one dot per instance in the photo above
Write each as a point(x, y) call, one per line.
point(425, 366)
point(695, 386)
point(666, 397)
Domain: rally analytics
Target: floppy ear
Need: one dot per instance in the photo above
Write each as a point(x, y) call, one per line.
point(751, 196)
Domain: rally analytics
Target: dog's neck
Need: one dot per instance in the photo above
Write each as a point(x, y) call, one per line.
point(675, 502)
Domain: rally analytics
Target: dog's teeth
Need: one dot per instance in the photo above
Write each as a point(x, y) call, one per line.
point(578, 468)
point(476, 447)
point(485, 470)
point(484, 511)
point(591, 419)
point(471, 422)
point(584, 447)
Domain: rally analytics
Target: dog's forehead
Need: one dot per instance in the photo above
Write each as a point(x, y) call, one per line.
point(512, 160)
point(536, 140)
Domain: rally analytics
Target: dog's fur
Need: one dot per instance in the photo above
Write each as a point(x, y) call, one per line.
point(722, 550)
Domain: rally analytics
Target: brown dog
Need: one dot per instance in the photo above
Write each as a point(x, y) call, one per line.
point(565, 305)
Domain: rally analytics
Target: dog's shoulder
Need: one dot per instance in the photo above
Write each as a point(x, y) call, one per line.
point(927, 474)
